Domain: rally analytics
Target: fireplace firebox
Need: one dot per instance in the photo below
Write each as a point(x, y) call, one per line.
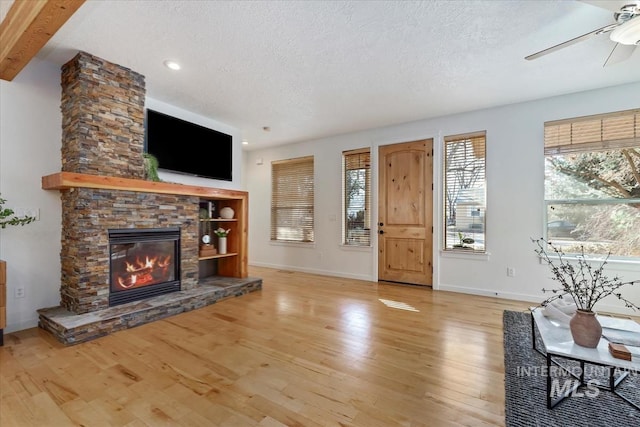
point(143, 263)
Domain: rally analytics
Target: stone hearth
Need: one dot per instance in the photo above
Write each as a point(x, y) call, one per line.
point(70, 328)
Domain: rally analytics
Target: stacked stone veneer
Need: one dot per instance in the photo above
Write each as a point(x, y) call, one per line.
point(102, 118)
point(103, 132)
point(88, 214)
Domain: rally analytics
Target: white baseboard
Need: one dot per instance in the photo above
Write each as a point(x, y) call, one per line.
point(534, 299)
point(332, 273)
point(489, 293)
point(25, 324)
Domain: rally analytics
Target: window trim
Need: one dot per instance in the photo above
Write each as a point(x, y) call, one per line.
point(483, 155)
point(368, 197)
point(276, 198)
point(587, 134)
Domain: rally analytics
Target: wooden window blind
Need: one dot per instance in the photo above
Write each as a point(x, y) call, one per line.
point(465, 191)
point(356, 182)
point(292, 200)
point(592, 133)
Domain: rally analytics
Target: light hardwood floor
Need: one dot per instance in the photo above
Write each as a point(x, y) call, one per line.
point(307, 350)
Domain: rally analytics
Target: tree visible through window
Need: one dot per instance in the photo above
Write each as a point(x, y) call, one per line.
point(357, 197)
point(592, 183)
point(292, 200)
point(465, 193)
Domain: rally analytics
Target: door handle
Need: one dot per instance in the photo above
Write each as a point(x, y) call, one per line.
point(381, 231)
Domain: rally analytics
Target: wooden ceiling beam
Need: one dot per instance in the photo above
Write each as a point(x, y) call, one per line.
point(28, 26)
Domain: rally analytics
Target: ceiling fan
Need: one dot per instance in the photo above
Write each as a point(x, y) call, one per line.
point(624, 32)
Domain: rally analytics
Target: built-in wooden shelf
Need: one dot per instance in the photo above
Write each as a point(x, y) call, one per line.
point(68, 180)
point(217, 256)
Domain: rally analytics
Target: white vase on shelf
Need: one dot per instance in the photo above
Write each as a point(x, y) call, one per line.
point(222, 245)
point(226, 213)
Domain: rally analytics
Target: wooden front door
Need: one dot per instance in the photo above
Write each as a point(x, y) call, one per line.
point(405, 213)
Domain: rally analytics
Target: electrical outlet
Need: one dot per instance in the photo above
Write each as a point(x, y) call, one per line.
point(19, 293)
point(511, 272)
point(34, 212)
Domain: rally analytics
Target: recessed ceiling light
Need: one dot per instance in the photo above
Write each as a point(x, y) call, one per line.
point(245, 142)
point(173, 65)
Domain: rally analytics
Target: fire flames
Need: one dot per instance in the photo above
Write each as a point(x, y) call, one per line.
point(144, 272)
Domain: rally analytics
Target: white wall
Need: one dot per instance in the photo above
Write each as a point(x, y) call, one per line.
point(30, 134)
point(515, 189)
point(30, 142)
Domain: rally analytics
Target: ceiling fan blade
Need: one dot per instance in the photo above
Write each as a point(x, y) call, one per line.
point(551, 49)
point(619, 53)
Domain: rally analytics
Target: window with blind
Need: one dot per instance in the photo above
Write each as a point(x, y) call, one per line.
point(465, 192)
point(592, 183)
point(292, 199)
point(356, 183)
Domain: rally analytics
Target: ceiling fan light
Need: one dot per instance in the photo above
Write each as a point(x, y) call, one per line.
point(627, 33)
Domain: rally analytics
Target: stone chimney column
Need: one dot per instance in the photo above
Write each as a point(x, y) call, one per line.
point(102, 118)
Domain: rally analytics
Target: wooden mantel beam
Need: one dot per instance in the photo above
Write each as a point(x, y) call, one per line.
point(69, 180)
point(28, 26)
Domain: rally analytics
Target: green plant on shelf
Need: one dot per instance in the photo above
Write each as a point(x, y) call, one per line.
point(221, 232)
point(151, 167)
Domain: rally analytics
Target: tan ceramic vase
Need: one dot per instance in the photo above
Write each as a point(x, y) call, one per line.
point(585, 328)
point(226, 213)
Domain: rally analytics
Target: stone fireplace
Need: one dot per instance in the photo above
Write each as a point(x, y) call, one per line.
point(128, 256)
point(88, 215)
point(103, 134)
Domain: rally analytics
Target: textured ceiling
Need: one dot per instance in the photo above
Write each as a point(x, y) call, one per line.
point(310, 69)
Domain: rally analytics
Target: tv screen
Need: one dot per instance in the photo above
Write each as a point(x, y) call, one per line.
point(188, 148)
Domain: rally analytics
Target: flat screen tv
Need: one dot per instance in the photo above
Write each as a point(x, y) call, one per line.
point(188, 148)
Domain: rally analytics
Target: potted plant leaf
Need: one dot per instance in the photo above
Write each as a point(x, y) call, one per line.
point(151, 167)
point(8, 217)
